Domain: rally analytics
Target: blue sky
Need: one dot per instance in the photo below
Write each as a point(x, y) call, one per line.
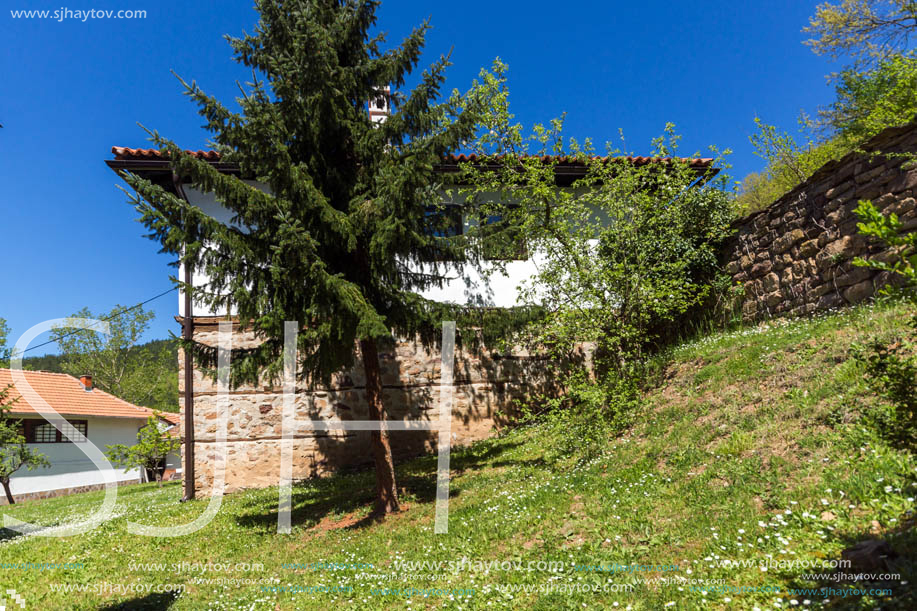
point(74, 89)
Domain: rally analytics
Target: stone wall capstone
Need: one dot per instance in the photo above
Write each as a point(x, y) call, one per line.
point(795, 256)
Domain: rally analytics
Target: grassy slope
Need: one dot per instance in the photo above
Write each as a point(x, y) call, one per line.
point(750, 439)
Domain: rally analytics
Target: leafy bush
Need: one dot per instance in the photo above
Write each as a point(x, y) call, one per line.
point(620, 253)
point(150, 452)
point(889, 230)
point(581, 420)
point(788, 165)
point(891, 369)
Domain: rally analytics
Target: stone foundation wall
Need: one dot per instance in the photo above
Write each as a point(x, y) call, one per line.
point(484, 391)
point(49, 494)
point(795, 257)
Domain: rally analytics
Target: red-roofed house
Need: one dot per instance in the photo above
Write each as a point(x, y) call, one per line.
point(102, 418)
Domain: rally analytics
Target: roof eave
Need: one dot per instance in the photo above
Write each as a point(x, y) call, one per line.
point(565, 173)
point(14, 412)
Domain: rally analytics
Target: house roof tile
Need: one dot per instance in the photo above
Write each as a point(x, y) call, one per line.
point(123, 153)
point(67, 395)
point(170, 417)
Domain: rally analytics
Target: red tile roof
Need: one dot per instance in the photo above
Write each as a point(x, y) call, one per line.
point(66, 395)
point(170, 417)
point(122, 153)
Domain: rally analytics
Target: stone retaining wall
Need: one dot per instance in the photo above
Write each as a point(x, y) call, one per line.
point(794, 257)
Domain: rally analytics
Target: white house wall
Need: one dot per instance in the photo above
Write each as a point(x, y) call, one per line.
point(208, 203)
point(70, 467)
point(478, 288)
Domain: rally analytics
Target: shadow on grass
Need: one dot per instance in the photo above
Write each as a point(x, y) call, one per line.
point(7, 533)
point(150, 601)
point(345, 493)
point(56, 511)
point(867, 583)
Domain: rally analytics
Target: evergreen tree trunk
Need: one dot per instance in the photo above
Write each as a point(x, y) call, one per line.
point(386, 492)
point(6, 489)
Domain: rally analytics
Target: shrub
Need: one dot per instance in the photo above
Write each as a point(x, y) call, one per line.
point(621, 253)
point(788, 165)
point(891, 369)
point(580, 421)
point(902, 247)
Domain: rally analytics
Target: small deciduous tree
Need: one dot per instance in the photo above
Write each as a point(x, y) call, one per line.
point(623, 251)
point(152, 447)
point(118, 362)
point(14, 453)
point(788, 164)
point(878, 90)
point(863, 30)
point(869, 101)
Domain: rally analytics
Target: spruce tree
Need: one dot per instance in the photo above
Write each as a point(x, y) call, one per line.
point(342, 243)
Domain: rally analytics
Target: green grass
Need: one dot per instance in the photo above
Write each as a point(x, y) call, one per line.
point(753, 447)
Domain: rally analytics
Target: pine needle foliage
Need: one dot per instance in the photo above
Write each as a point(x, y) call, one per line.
point(341, 242)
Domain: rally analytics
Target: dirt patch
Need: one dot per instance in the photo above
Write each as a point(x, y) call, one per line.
point(352, 519)
point(577, 504)
point(328, 523)
point(533, 542)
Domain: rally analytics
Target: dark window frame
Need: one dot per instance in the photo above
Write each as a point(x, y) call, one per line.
point(32, 425)
point(499, 250)
point(444, 221)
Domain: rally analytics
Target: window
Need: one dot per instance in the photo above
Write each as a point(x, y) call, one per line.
point(41, 431)
point(443, 221)
point(501, 240)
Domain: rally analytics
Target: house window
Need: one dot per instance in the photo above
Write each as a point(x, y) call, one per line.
point(501, 239)
point(443, 221)
point(41, 431)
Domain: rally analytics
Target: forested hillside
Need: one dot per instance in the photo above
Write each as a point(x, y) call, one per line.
point(149, 358)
